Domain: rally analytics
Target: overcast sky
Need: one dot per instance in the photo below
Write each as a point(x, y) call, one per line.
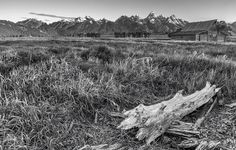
point(190, 10)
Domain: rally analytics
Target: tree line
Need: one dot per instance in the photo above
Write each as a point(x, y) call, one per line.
point(132, 34)
point(116, 34)
point(97, 35)
point(89, 34)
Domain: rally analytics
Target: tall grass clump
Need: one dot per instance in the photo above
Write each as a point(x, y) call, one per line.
point(14, 59)
point(30, 57)
point(162, 76)
point(42, 102)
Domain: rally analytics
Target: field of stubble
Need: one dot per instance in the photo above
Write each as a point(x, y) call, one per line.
point(58, 94)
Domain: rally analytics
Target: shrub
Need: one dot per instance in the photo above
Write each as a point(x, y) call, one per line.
point(103, 53)
point(23, 58)
point(119, 55)
point(28, 57)
point(85, 55)
point(59, 50)
point(5, 69)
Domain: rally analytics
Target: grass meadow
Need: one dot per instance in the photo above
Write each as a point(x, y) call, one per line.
point(57, 94)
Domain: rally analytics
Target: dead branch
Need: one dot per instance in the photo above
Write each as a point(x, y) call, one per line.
point(201, 119)
point(154, 120)
point(231, 105)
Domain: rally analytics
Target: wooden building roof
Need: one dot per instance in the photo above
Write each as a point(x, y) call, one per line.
point(200, 26)
point(194, 28)
point(187, 33)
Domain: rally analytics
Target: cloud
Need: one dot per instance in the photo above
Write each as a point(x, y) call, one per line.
point(52, 16)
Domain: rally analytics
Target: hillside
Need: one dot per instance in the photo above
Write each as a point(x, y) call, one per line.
point(32, 23)
point(32, 27)
point(8, 28)
point(24, 28)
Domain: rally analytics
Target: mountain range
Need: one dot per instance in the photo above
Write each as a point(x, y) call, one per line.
point(156, 24)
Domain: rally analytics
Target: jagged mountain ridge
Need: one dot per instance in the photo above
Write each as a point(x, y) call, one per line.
point(32, 23)
point(32, 27)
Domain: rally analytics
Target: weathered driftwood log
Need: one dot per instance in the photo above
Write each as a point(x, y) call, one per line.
point(154, 120)
point(179, 128)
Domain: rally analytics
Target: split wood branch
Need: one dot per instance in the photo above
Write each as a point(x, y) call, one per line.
point(183, 129)
point(154, 120)
point(207, 145)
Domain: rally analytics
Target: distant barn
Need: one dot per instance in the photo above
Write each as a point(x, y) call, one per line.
point(199, 31)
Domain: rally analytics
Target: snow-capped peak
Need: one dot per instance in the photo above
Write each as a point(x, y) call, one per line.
point(79, 19)
point(174, 20)
point(152, 17)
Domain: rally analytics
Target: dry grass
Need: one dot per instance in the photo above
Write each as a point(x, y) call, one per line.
point(50, 95)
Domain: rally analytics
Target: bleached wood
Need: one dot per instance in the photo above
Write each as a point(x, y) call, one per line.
point(116, 146)
point(183, 129)
point(207, 145)
point(189, 143)
point(199, 144)
point(154, 120)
